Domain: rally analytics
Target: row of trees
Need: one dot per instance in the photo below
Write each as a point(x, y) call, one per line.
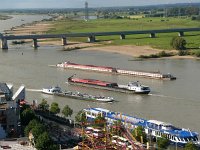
point(54, 108)
point(183, 11)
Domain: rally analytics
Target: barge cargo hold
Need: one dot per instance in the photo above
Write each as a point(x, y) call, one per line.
point(132, 87)
point(104, 69)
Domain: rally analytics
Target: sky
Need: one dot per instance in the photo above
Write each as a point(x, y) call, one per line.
point(80, 3)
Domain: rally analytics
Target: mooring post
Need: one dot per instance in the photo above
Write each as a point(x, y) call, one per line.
point(64, 41)
point(152, 35)
point(91, 39)
point(181, 33)
point(4, 43)
point(35, 43)
point(122, 36)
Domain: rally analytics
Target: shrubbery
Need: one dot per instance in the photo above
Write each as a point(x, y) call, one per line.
point(178, 43)
point(159, 55)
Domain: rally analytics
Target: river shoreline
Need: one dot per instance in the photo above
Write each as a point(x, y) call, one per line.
point(42, 27)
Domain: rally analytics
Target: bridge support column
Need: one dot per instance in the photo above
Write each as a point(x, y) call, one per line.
point(181, 34)
point(64, 41)
point(122, 36)
point(152, 35)
point(35, 43)
point(4, 43)
point(91, 39)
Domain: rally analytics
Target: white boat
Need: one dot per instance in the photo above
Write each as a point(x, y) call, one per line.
point(52, 90)
point(136, 87)
point(104, 99)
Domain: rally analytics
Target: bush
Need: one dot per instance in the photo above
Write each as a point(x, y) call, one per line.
point(138, 133)
point(158, 55)
point(164, 54)
point(196, 18)
point(163, 142)
point(182, 52)
point(178, 43)
point(190, 146)
point(196, 53)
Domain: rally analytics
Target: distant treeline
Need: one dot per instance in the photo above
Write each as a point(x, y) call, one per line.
point(176, 11)
point(173, 8)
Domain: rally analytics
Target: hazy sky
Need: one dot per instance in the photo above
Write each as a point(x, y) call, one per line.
point(80, 3)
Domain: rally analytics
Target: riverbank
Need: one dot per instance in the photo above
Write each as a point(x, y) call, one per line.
point(107, 46)
point(5, 17)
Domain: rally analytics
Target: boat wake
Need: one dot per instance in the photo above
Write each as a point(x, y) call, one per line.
point(164, 96)
point(34, 90)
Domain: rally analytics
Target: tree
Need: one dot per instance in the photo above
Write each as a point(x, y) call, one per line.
point(178, 43)
point(30, 126)
point(44, 142)
point(140, 134)
point(190, 146)
point(43, 105)
point(37, 130)
point(26, 116)
point(99, 121)
point(67, 111)
point(163, 142)
point(55, 108)
point(80, 117)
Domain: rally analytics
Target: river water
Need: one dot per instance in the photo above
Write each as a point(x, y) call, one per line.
point(176, 102)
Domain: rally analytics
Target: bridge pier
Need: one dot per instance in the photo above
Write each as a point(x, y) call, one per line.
point(35, 43)
point(4, 43)
point(122, 36)
point(181, 33)
point(64, 41)
point(91, 39)
point(152, 35)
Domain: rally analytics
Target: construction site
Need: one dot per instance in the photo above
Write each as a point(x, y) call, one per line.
point(107, 137)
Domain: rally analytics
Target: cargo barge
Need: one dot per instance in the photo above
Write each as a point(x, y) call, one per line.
point(76, 95)
point(132, 87)
point(112, 70)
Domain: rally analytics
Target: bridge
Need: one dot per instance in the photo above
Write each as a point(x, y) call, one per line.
point(90, 35)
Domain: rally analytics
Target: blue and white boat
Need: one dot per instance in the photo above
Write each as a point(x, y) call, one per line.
point(178, 136)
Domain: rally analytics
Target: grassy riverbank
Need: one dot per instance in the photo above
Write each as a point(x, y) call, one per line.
point(105, 25)
point(4, 17)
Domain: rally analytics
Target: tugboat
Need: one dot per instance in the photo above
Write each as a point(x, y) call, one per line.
point(52, 90)
point(132, 87)
point(76, 95)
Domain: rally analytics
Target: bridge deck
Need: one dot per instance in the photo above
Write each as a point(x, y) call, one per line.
point(89, 34)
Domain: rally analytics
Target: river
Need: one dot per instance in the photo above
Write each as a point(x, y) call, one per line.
point(176, 102)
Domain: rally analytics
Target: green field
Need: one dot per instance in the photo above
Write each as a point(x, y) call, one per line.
point(162, 41)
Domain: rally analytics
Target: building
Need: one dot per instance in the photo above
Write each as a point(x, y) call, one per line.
point(9, 110)
point(9, 118)
point(6, 92)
